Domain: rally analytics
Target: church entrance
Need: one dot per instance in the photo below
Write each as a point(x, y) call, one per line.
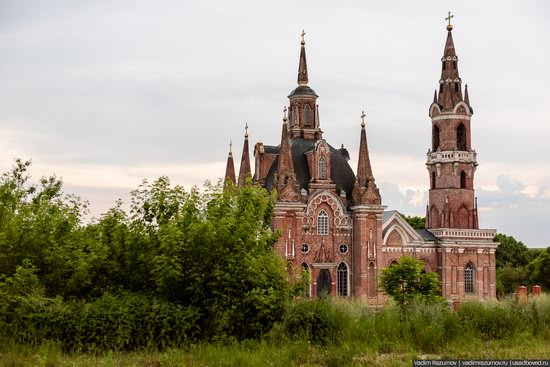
point(323, 283)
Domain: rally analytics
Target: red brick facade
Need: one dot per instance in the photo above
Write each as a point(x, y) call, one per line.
point(332, 220)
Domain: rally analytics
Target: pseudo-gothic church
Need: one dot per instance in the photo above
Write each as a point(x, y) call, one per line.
point(333, 222)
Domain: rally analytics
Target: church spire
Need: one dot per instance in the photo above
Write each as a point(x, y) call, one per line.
point(286, 165)
point(450, 90)
point(230, 167)
point(302, 68)
point(285, 177)
point(364, 170)
point(244, 170)
point(365, 190)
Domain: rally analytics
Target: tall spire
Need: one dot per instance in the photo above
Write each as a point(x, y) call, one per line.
point(230, 167)
point(364, 170)
point(286, 165)
point(244, 170)
point(285, 177)
point(365, 190)
point(450, 90)
point(302, 69)
point(466, 95)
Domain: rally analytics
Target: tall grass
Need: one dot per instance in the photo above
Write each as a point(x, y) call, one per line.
point(313, 332)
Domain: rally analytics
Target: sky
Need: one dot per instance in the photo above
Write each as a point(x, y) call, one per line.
point(106, 93)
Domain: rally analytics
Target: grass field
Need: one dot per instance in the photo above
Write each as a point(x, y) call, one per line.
point(328, 333)
point(267, 354)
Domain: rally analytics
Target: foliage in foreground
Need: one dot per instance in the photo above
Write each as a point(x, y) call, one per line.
point(206, 258)
point(407, 281)
point(336, 333)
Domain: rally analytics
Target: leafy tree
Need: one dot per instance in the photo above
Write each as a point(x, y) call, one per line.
point(511, 252)
point(539, 269)
point(509, 278)
point(407, 281)
point(416, 222)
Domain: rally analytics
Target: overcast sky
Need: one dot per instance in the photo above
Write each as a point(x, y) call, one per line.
point(106, 93)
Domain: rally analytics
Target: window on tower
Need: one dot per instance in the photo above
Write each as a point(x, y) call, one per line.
point(435, 137)
point(322, 223)
point(462, 180)
point(433, 180)
point(322, 168)
point(469, 278)
point(461, 137)
point(307, 114)
point(342, 277)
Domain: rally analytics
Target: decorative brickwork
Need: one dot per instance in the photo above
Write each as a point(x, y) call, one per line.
point(333, 223)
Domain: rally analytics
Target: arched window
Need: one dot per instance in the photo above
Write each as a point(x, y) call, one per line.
point(307, 114)
point(469, 278)
point(305, 268)
point(456, 87)
point(433, 179)
point(342, 279)
point(322, 168)
point(371, 280)
point(462, 180)
point(322, 223)
point(461, 137)
point(435, 137)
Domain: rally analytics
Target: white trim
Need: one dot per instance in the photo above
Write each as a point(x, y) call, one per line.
point(451, 116)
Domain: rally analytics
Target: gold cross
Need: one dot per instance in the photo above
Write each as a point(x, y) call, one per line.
point(303, 34)
point(449, 18)
point(363, 118)
point(284, 114)
point(246, 130)
point(230, 145)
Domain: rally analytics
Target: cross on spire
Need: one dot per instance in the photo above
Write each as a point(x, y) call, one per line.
point(303, 34)
point(363, 118)
point(284, 115)
point(246, 130)
point(449, 26)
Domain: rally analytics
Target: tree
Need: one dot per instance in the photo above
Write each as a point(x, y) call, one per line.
point(416, 222)
point(407, 280)
point(511, 252)
point(539, 269)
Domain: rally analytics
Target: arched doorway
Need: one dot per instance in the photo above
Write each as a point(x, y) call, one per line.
point(323, 283)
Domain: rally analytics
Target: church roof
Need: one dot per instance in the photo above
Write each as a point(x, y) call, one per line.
point(427, 235)
point(424, 233)
point(303, 90)
point(340, 171)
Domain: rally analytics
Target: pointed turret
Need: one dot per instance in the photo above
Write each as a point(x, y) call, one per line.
point(466, 95)
point(364, 170)
point(285, 176)
point(303, 112)
point(244, 170)
point(365, 190)
point(450, 90)
point(302, 68)
point(285, 168)
point(230, 167)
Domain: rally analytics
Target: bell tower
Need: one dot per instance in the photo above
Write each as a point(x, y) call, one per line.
point(451, 160)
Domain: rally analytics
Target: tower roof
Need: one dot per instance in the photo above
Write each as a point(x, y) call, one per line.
point(285, 166)
point(244, 169)
point(364, 170)
point(302, 68)
point(450, 90)
point(230, 167)
point(303, 79)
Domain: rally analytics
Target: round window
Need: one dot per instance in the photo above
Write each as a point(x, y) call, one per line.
point(305, 248)
point(343, 249)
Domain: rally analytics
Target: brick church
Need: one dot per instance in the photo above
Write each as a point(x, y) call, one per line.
point(333, 221)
